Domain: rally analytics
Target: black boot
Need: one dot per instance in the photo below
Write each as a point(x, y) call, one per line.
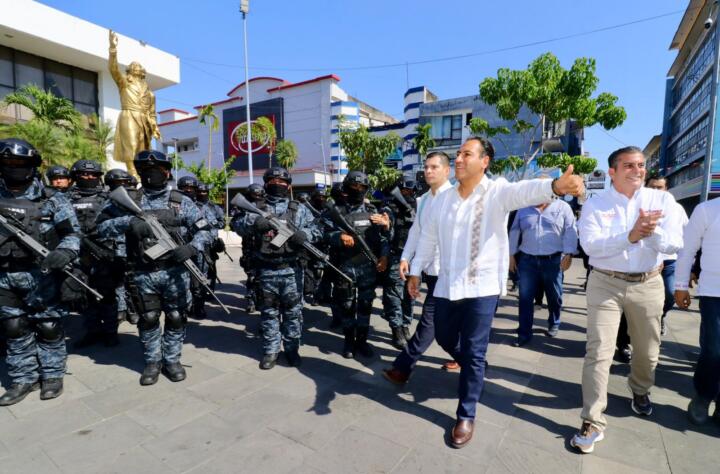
point(199, 310)
point(174, 371)
point(398, 338)
point(361, 345)
point(293, 358)
point(17, 392)
point(336, 322)
point(406, 333)
point(150, 373)
point(349, 347)
point(268, 361)
point(51, 388)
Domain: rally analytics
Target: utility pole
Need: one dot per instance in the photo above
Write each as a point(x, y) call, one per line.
point(245, 8)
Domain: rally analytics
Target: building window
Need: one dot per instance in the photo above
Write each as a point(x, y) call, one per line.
point(692, 142)
point(18, 69)
point(446, 127)
point(695, 105)
point(697, 65)
point(686, 174)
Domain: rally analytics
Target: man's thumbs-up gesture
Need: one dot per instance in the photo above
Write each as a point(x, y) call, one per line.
point(568, 184)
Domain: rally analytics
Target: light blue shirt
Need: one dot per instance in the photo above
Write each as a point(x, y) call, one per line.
point(545, 232)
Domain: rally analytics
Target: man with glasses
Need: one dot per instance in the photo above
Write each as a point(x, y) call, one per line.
point(161, 285)
point(31, 312)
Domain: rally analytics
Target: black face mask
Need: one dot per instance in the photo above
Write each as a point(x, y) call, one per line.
point(17, 175)
point(88, 183)
point(356, 197)
point(189, 192)
point(154, 178)
point(276, 190)
point(203, 197)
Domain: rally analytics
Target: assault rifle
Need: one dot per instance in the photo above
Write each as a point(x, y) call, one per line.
point(310, 207)
point(340, 221)
point(284, 232)
point(41, 251)
point(397, 194)
point(165, 242)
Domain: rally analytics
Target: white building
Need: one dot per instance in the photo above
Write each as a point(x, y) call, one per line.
point(69, 56)
point(306, 113)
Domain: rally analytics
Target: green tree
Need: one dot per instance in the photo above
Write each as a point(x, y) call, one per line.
point(286, 154)
point(102, 135)
point(423, 140)
point(45, 106)
point(367, 153)
point(216, 178)
point(581, 164)
point(263, 131)
point(207, 116)
point(551, 94)
point(46, 138)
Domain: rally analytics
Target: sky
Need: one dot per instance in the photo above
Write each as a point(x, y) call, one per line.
point(298, 40)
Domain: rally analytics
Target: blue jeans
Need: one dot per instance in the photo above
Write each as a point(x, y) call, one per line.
point(534, 271)
point(707, 371)
point(424, 333)
point(466, 324)
point(668, 276)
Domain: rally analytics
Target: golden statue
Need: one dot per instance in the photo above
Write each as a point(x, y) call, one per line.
point(137, 123)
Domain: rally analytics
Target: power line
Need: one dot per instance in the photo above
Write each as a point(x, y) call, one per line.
point(448, 58)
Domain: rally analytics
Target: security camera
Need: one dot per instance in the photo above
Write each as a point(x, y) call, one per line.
point(708, 23)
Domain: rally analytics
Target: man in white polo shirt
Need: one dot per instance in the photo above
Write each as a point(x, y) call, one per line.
point(625, 231)
point(468, 228)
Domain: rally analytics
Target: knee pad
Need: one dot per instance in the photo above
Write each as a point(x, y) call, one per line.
point(14, 328)
point(175, 319)
point(149, 303)
point(149, 320)
point(49, 329)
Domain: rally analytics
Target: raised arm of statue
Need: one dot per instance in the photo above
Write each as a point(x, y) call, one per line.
point(115, 72)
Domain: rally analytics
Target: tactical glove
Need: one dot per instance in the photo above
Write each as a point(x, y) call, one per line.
point(262, 224)
point(182, 253)
point(298, 238)
point(139, 228)
point(57, 260)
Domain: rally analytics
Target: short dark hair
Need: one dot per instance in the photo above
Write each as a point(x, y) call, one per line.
point(655, 178)
point(488, 148)
point(439, 154)
point(627, 150)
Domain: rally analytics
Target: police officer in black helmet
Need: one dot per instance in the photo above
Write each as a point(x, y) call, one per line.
point(31, 310)
point(117, 177)
point(58, 178)
point(255, 193)
point(355, 301)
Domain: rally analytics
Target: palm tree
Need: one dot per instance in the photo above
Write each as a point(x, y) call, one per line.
point(45, 106)
point(207, 116)
point(102, 135)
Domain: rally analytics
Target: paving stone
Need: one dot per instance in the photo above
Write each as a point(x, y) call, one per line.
point(692, 451)
point(42, 426)
point(427, 458)
point(264, 452)
point(30, 461)
point(342, 455)
point(135, 460)
point(643, 450)
point(597, 465)
point(228, 387)
point(126, 397)
point(73, 389)
point(92, 447)
point(165, 415)
point(193, 443)
point(520, 457)
point(312, 429)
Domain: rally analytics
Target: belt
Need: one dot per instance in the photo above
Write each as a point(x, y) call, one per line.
point(544, 257)
point(631, 277)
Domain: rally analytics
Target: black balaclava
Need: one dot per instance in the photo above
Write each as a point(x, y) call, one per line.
point(356, 197)
point(203, 197)
point(87, 184)
point(17, 175)
point(190, 192)
point(153, 178)
point(277, 190)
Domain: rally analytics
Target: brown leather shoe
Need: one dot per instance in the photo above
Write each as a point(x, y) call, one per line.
point(451, 366)
point(462, 433)
point(395, 376)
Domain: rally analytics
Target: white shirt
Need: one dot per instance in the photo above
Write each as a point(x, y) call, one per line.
point(471, 236)
point(702, 231)
point(608, 218)
point(684, 219)
point(423, 214)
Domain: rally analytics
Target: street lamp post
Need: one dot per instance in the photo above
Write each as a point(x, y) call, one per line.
point(322, 149)
point(175, 161)
point(245, 8)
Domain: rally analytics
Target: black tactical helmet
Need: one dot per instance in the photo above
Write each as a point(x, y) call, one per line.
point(255, 191)
point(85, 166)
point(277, 172)
point(303, 196)
point(187, 181)
point(117, 174)
point(133, 180)
point(20, 149)
point(203, 188)
point(355, 177)
point(57, 171)
point(146, 157)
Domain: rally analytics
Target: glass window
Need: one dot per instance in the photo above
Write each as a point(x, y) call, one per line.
point(4, 90)
point(85, 109)
point(84, 86)
point(58, 79)
point(6, 67)
point(456, 127)
point(28, 70)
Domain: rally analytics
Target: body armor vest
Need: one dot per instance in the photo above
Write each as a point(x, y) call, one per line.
point(360, 221)
point(267, 251)
point(401, 227)
point(168, 217)
point(87, 208)
point(26, 215)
